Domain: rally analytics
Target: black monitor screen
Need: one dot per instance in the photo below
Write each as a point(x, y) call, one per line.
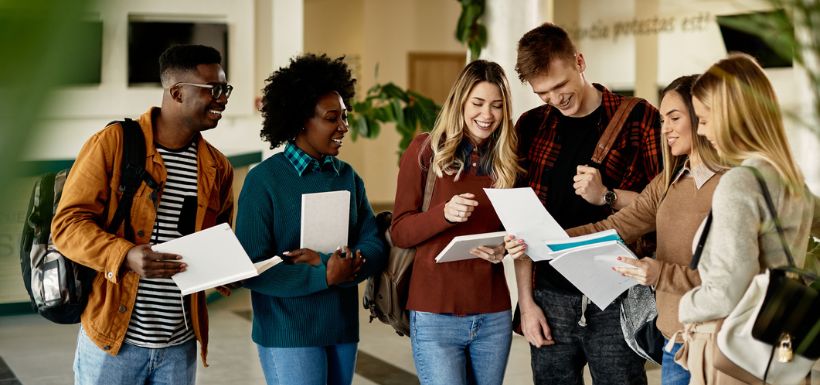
point(736, 37)
point(148, 39)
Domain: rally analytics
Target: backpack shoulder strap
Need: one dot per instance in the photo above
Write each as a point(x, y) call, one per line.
point(132, 173)
point(613, 129)
point(428, 189)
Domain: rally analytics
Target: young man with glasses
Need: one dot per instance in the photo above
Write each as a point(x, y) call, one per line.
point(137, 328)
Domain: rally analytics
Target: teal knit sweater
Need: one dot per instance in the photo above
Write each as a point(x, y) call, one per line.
point(292, 304)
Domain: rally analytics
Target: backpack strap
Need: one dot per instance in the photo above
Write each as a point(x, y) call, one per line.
point(428, 189)
point(42, 200)
point(132, 174)
point(613, 129)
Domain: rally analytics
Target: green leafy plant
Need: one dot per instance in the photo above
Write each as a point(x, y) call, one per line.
point(384, 103)
point(469, 29)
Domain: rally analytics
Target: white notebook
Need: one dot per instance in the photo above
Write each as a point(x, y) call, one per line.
point(325, 218)
point(214, 257)
point(589, 268)
point(459, 247)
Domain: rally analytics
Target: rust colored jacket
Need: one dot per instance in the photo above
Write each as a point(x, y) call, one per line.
point(88, 203)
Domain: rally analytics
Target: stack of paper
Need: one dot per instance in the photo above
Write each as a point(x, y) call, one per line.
point(523, 215)
point(214, 257)
point(587, 262)
point(459, 247)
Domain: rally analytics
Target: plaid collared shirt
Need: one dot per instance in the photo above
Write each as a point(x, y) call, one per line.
point(631, 163)
point(302, 162)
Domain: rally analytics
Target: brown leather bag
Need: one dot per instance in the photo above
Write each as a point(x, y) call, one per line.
point(385, 294)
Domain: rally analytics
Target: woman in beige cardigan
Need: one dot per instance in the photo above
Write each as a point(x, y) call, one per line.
point(738, 112)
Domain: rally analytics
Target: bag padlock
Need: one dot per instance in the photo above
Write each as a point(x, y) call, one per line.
point(784, 348)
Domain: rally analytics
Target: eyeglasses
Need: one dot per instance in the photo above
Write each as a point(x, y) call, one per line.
point(217, 89)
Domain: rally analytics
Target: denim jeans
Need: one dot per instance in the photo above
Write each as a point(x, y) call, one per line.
point(452, 350)
point(174, 365)
point(671, 372)
point(600, 344)
point(313, 365)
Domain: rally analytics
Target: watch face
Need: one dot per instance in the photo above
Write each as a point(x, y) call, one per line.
point(610, 197)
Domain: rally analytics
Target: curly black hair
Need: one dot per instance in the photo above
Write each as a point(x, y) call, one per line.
point(291, 93)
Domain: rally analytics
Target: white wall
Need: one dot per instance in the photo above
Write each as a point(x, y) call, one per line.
point(80, 111)
point(262, 34)
point(690, 44)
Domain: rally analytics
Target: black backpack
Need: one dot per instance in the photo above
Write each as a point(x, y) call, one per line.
point(57, 286)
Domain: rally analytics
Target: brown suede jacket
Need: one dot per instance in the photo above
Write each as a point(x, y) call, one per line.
point(88, 203)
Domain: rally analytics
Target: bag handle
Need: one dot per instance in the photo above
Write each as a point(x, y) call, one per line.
point(770, 204)
point(613, 129)
point(699, 248)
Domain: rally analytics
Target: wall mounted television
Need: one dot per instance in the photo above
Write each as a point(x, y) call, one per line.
point(148, 39)
point(738, 40)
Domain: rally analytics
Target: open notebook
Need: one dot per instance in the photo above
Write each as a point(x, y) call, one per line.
point(214, 257)
point(587, 262)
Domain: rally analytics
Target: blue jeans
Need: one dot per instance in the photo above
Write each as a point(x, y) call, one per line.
point(314, 365)
point(454, 350)
point(174, 365)
point(671, 372)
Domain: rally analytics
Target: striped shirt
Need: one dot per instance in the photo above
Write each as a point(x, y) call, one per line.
point(160, 317)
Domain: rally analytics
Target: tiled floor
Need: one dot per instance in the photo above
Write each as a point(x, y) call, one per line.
point(37, 352)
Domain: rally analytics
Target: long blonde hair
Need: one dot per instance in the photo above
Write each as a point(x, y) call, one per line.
point(449, 130)
point(701, 148)
point(746, 116)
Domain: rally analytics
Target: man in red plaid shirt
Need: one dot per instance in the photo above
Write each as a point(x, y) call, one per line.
point(556, 142)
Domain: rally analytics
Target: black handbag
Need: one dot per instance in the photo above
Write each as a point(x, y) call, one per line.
point(789, 318)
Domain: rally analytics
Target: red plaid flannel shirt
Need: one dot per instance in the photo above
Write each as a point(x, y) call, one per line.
point(635, 157)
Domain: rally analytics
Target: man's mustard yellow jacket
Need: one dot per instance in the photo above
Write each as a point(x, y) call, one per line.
point(88, 203)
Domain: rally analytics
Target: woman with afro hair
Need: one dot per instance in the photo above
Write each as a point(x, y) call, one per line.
point(305, 312)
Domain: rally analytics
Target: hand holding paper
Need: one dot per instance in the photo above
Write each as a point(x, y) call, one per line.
point(460, 247)
point(214, 257)
point(645, 271)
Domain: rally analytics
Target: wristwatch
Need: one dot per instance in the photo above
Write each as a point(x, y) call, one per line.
point(610, 197)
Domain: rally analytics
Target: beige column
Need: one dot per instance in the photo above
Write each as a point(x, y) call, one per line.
point(646, 54)
point(279, 37)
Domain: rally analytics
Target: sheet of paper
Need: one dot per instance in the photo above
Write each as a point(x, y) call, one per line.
point(263, 266)
point(524, 216)
point(589, 268)
point(214, 257)
point(325, 219)
point(459, 247)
